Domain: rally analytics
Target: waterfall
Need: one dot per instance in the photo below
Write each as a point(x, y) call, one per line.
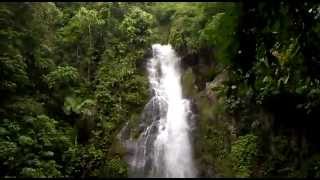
point(164, 147)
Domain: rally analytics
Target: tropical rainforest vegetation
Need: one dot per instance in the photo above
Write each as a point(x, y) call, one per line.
point(72, 74)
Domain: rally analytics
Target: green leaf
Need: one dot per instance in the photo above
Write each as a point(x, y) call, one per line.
point(25, 140)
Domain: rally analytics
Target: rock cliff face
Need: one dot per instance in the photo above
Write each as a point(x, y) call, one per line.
point(198, 80)
point(214, 131)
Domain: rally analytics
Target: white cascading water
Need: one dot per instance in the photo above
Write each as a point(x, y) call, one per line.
point(164, 147)
point(172, 145)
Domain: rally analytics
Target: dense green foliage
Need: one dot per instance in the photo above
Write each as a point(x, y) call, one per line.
point(72, 74)
point(69, 80)
point(258, 108)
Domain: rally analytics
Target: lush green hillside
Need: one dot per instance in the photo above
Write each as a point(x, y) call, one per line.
point(72, 74)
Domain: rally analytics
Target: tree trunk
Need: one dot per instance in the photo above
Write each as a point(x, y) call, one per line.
point(90, 48)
